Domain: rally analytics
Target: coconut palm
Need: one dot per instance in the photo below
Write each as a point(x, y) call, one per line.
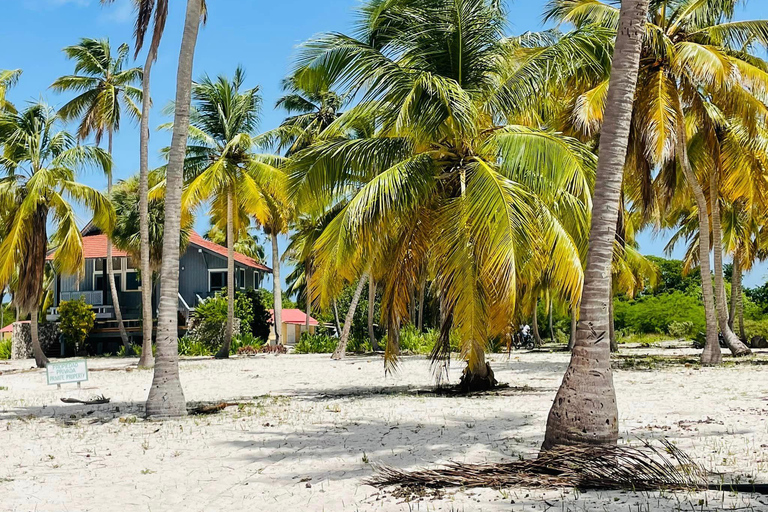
point(221, 168)
point(584, 409)
point(436, 175)
point(37, 192)
point(8, 78)
point(166, 397)
point(248, 244)
point(105, 90)
point(155, 13)
point(697, 68)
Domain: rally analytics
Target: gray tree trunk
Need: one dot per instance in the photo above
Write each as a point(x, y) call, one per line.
point(371, 308)
point(572, 339)
point(735, 291)
point(711, 354)
point(612, 327)
point(111, 270)
point(735, 345)
point(277, 288)
point(551, 326)
point(336, 317)
point(422, 293)
point(535, 324)
point(223, 352)
point(584, 409)
point(146, 360)
point(341, 348)
point(40, 360)
point(166, 398)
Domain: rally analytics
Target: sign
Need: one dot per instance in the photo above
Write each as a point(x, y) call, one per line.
point(63, 372)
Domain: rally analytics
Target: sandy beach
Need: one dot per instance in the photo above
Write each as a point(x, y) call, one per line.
point(312, 428)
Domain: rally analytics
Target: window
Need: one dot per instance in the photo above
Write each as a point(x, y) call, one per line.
point(240, 278)
point(217, 280)
point(132, 281)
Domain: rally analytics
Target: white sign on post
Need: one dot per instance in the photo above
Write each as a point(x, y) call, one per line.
point(63, 372)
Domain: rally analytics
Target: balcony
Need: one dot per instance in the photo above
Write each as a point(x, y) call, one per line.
point(94, 298)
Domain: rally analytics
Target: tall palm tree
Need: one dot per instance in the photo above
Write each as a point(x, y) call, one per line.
point(221, 168)
point(145, 10)
point(584, 410)
point(696, 69)
point(105, 90)
point(8, 78)
point(38, 189)
point(437, 172)
point(166, 398)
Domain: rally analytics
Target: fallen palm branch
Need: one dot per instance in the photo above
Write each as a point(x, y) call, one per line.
point(93, 401)
point(642, 468)
point(212, 408)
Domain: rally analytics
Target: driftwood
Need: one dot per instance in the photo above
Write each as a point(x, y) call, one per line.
point(212, 408)
point(93, 401)
point(641, 468)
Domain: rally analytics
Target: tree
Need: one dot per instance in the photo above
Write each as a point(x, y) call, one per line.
point(76, 319)
point(341, 348)
point(166, 398)
point(8, 78)
point(145, 10)
point(433, 180)
point(221, 168)
point(584, 410)
point(41, 165)
point(248, 244)
point(105, 90)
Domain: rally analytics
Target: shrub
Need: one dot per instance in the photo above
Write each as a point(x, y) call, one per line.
point(244, 340)
point(680, 330)
point(315, 344)
point(655, 313)
point(5, 348)
point(76, 318)
point(191, 347)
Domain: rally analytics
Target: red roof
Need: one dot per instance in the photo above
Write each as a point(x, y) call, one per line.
point(9, 327)
point(293, 316)
point(95, 247)
point(195, 239)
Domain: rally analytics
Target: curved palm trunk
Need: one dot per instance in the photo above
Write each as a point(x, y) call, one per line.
point(341, 348)
point(611, 324)
point(535, 323)
point(277, 288)
point(111, 271)
point(711, 353)
point(572, 339)
point(223, 352)
point(147, 359)
point(371, 307)
point(584, 410)
point(422, 293)
point(735, 290)
point(37, 351)
point(166, 398)
point(551, 327)
point(735, 345)
point(336, 317)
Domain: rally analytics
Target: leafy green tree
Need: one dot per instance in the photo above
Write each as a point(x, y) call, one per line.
point(76, 319)
point(8, 78)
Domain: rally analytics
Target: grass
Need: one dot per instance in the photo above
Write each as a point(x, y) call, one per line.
point(644, 338)
point(656, 362)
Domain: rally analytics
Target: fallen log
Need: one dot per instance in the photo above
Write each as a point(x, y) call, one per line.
point(93, 401)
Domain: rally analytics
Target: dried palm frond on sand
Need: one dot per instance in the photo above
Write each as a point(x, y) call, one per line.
point(641, 468)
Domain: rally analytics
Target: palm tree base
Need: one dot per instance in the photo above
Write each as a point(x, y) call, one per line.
point(222, 354)
point(474, 381)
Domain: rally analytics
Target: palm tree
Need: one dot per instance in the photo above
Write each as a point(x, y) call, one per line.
point(221, 168)
point(437, 173)
point(41, 166)
point(696, 70)
point(8, 78)
point(145, 10)
point(584, 410)
point(166, 398)
point(106, 89)
point(247, 244)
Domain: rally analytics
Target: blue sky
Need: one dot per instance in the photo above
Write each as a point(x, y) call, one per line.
point(260, 35)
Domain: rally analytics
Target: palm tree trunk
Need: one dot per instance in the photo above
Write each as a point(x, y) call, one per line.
point(146, 360)
point(412, 306)
point(371, 307)
point(223, 352)
point(612, 327)
point(166, 398)
point(307, 277)
point(111, 270)
point(572, 339)
point(584, 409)
point(735, 345)
point(535, 323)
point(422, 293)
point(742, 332)
point(711, 354)
point(551, 328)
point(341, 348)
point(336, 317)
point(40, 360)
point(735, 289)
point(276, 288)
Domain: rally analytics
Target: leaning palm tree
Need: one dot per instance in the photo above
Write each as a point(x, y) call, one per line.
point(437, 172)
point(8, 78)
point(222, 169)
point(166, 398)
point(145, 10)
point(37, 192)
point(105, 90)
point(584, 410)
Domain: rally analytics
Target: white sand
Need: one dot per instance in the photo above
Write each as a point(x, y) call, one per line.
point(307, 445)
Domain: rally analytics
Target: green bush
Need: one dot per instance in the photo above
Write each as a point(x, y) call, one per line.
point(680, 330)
point(655, 313)
point(210, 318)
point(76, 318)
point(245, 340)
point(315, 344)
point(5, 348)
point(191, 347)
point(756, 327)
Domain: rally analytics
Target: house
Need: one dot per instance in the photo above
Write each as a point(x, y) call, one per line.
point(202, 273)
point(294, 322)
point(6, 333)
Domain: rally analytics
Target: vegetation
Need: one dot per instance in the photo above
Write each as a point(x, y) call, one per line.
point(76, 319)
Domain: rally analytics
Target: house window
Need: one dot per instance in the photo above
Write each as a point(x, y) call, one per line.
point(132, 281)
point(240, 278)
point(217, 280)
